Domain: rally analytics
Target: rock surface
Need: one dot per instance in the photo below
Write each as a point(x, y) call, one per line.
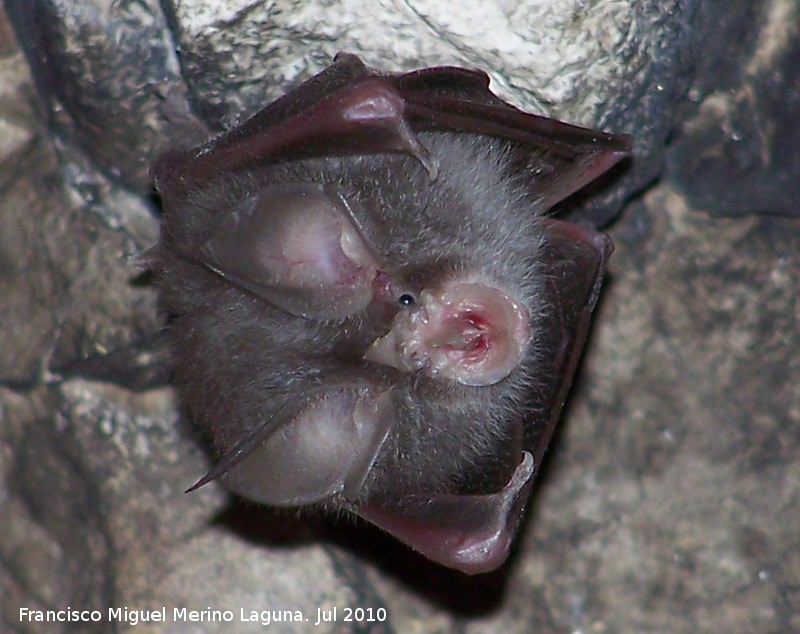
point(737, 151)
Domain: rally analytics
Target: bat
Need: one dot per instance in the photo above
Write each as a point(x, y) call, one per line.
point(369, 309)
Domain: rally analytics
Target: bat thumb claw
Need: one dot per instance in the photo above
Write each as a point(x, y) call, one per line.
point(202, 482)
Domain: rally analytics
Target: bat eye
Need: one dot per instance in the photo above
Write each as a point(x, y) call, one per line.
point(406, 300)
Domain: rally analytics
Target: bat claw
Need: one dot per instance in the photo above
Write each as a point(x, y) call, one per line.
point(208, 477)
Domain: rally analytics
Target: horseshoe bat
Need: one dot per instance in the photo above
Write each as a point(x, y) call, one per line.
point(369, 309)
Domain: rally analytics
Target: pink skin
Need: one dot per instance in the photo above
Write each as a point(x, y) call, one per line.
point(320, 248)
point(465, 331)
point(296, 246)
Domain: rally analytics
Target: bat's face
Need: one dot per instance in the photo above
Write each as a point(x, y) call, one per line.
point(467, 331)
point(379, 318)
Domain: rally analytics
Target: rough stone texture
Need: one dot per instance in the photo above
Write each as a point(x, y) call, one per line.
point(123, 80)
point(673, 498)
point(737, 151)
point(65, 282)
point(670, 499)
point(109, 80)
point(533, 49)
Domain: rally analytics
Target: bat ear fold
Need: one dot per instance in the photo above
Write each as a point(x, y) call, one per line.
point(296, 246)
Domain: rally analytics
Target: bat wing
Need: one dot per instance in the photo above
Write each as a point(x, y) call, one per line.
point(470, 533)
point(297, 245)
point(576, 259)
point(473, 533)
point(351, 109)
point(329, 445)
point(323, 446)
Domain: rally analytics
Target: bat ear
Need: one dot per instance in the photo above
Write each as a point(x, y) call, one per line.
point(470, 533)
point(296, 246)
